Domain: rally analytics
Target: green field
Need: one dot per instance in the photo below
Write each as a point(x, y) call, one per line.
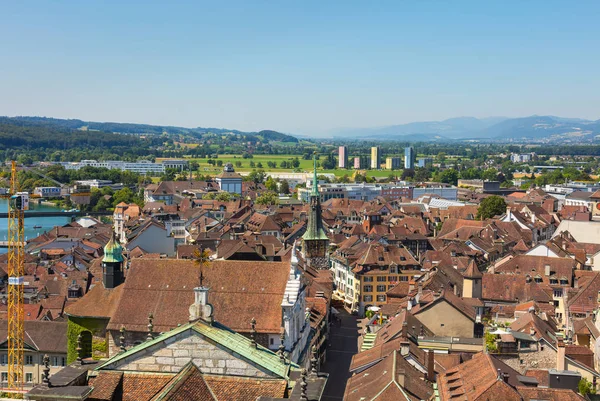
point(305, 165)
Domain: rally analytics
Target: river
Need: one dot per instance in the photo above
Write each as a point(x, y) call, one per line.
point(46, 223)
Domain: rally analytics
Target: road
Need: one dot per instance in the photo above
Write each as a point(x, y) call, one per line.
point(344, 344)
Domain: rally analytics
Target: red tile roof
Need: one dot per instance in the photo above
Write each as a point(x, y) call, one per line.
point(477, 380)
point(240, 291)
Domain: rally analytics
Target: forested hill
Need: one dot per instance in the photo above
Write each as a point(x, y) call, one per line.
point(141, 129)
point(45, 141)
point(51, 139)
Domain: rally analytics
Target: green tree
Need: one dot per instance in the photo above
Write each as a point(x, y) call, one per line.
point(422, 174)
point(491, 174)
point(490, 343)
point(408, 174)
point(449, 176)
point(585, 387)
point(256, 176)
point(223, 197)
point(470, 174)
point(271, 184)
point(490, 207)
point(267, 198)
point(284, 187)
point(123, 195)
point(102, 205)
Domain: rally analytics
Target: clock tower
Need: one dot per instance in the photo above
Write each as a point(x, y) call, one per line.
point(315, 242)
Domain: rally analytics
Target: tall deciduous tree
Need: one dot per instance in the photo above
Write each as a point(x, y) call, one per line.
point(490, 207)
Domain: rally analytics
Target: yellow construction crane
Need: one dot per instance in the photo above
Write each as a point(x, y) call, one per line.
point(17, 204)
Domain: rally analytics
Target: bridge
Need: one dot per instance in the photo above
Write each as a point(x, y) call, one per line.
point(60, 214)
point(4, 244)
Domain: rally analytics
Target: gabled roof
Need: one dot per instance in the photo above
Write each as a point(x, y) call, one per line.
point(382, 382)
point(41, 336)
point(99, 302)
point(521, 246)
point(375, 354)
point(477, 380)
point(586, 299)
point(587, 327)
point(189, 384)
point(532, 321)
point(226, 338)
point(456, 302)
point(472, 271)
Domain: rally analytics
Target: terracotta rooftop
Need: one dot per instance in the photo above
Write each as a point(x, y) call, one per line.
point(477, 380)
point(240, 290)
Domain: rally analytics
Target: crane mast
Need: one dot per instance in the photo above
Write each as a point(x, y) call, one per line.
point(17, 204)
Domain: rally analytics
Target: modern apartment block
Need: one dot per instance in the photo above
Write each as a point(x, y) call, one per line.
point(375, 157)
point(343, 155)
point(424, 162)
point(392, 163)
point(409, 158)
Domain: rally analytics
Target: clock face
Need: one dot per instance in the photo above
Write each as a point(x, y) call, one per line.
point(598, 206)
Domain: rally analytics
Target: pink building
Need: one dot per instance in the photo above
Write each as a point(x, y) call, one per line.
point(343, 155)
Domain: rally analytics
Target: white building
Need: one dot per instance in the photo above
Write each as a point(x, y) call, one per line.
point(176, 164)
point(142, 166)
point(47, 192)
point(580, 198)
point(295, 314)
point(521, 158)
point(229, 180)
point(345, 283)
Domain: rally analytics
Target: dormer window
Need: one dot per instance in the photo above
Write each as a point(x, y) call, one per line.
point(537, 279)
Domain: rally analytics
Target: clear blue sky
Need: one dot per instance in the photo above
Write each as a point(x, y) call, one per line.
point(300, 67)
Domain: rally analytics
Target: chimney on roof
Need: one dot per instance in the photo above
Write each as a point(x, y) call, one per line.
point(404, 329)
point(547, 270)
point(505, 377)
point(404, 347)
point(508, 213)
point(400, 377)
point(560, 355)
point(430, 366)
point(201, 309)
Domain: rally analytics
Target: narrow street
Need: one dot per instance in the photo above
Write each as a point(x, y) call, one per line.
point(343, 346)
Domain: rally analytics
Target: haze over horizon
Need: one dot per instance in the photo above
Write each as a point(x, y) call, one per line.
point(307, 68)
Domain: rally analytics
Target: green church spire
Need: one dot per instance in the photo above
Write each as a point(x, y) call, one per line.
point(315, 189)
point(314, 228)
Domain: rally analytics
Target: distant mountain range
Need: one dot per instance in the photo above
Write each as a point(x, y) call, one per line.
point(140, 129)
point(549, 128)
